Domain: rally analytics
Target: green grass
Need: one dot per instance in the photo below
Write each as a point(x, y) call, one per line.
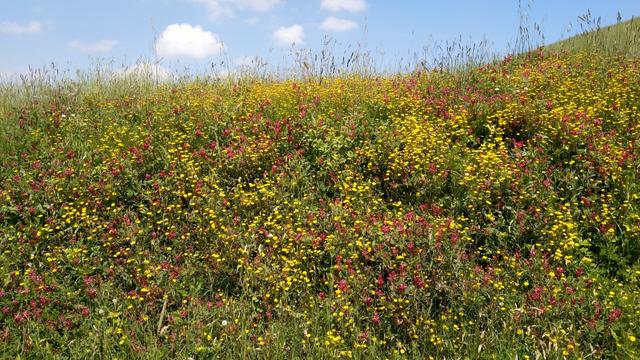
point(617, 39)
point(490, 212)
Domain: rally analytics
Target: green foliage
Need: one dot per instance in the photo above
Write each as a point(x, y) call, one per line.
point(488, 212)
point(622, 38)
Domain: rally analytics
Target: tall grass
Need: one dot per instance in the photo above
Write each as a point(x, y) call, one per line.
point(622, 38)
point(448, 204)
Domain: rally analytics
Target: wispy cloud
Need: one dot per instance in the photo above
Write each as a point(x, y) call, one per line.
point(102, 46)
point(187, 41)
point(219, 9)
point(333, 23)
point(257, 5)
point(346, 5)
point(14, 28)
point(251, 21)
point(293, 34)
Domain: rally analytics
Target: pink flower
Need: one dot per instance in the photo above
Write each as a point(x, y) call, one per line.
point(343, 285)
point(536, 294)
point(376, 318)
point(615, 314)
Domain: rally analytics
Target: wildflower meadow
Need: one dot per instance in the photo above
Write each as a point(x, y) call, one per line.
point(489, 212)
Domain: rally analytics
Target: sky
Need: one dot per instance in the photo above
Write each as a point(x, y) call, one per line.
point(213, 35)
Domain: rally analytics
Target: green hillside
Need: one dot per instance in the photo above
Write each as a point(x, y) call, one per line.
point(621, 38)
point(468, 211)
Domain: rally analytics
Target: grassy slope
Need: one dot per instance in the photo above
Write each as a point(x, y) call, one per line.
point(483, 214)
point(623, 38)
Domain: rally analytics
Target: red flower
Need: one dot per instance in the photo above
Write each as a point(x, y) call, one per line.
point(19, 318)
point(343, 285)
point(536, 294)
point(376, 318)
point(454, 238)
point(615, 314)
point(92, 293)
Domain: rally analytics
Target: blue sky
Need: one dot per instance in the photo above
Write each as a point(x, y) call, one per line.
point(76, 34)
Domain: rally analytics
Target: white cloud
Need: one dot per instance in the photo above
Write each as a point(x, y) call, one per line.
point(13, 28)
point(225, 8)
point(347, 5)
point(184, 40)
point(293, 34)
point(257, 5)
point(335, 24)
point(102, 46)
point(217, 9)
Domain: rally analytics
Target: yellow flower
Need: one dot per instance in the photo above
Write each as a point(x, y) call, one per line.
point(632, 338)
